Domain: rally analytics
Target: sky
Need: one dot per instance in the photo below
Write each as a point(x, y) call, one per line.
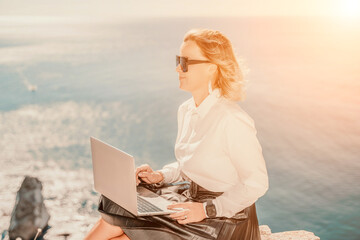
point(166, 8)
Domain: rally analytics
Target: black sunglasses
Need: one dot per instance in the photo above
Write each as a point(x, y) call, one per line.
point(184, 62)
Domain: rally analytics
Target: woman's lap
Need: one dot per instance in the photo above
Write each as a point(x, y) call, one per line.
point(159, 225)
point(164, 227)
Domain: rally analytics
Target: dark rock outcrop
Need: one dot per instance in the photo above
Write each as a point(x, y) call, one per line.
point(29, 213)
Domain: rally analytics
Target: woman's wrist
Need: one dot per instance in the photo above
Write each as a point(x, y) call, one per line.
point(161, 176)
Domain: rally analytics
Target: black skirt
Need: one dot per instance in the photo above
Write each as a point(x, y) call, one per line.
point(243, 225)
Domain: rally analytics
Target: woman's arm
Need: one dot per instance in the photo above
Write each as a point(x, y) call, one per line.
point(245, 152)
point(171, 173)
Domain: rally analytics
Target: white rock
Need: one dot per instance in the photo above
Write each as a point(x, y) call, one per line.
point(266, 234)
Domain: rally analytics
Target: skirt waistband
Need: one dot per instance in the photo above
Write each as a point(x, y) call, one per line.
point(197, 192)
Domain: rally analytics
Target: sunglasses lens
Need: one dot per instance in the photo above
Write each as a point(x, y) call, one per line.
point(182, 62)
point(184, 65)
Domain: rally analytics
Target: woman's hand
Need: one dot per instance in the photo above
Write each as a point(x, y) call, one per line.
point(147, 175)
point(194, 212)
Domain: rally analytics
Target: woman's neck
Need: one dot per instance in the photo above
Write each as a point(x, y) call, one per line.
point(199, 97)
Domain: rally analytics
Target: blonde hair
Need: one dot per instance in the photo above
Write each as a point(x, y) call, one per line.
point(219, 50)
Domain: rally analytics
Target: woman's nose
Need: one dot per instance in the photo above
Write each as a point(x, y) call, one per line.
point(178, 68)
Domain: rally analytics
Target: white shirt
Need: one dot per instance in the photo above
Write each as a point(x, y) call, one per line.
point(217, 148)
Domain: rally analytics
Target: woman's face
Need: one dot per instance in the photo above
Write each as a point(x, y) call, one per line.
point(197, 78)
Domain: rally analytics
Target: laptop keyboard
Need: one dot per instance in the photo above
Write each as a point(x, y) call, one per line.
point(145, 206)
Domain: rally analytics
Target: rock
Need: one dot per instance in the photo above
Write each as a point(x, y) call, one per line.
point(264, 230)
point(29, 213)
point(266, 234)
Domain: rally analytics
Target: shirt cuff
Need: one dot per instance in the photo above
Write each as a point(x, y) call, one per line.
point(204, 205)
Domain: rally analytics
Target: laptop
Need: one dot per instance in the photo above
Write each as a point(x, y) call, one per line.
point(114, 177)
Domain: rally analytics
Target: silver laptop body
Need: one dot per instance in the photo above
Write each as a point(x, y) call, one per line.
point(114, 177)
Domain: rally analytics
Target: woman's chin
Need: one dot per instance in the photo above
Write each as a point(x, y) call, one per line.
point(181, 86)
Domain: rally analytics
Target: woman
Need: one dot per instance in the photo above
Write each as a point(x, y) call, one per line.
point(217, 153)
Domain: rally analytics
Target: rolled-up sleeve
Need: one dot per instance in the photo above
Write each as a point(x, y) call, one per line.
point(245, 152)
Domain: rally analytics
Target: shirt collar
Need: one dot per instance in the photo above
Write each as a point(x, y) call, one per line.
point(206, 104)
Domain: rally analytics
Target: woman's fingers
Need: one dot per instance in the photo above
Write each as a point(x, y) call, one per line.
point(147, 177)
point(142, 168)
point(145, 180)
point(182, 217)
point(180, 214)
point(194, 212)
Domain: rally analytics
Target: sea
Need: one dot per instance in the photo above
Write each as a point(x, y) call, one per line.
point(65, 79)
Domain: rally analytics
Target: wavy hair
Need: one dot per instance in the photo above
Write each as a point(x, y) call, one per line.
point(216, 47)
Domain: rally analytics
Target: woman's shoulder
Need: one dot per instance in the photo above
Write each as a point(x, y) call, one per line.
point(232, 113)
